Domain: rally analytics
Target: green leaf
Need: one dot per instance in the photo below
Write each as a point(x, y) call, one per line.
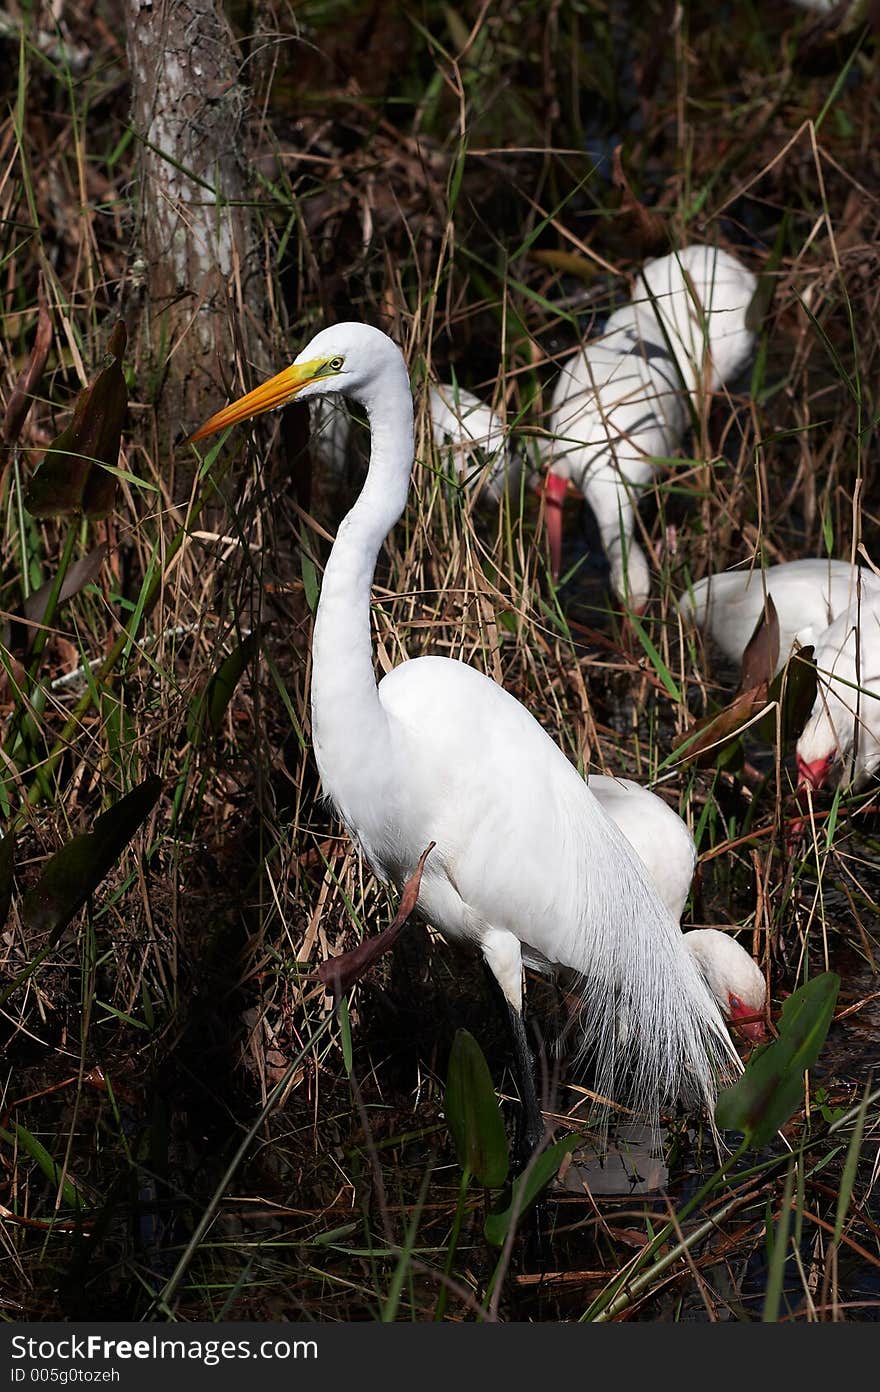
point(769, 1091)
point(473, 1114)
point(311, 588)
point(209, 707)
point(71, 478)
point(567, 263)
point(29, 1143)
point(850, 1169)
point(526, 1188)
point(75, 872)
point(779, 1251)
point(345, 1036)
point(654, 657)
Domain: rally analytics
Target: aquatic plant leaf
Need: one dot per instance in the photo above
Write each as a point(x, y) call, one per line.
point(71, 479)
point(18, 635)
point(794, 687)
point(777, 1240)
point(798, 683)
point(209, 707)
point(526, 1188)
point(74, 872)
point(34, 1147)
point(707, 740)
point(761, 652)
point(311, 588)
point(79, 574)
point(22, 395)
point(770, 1089)
point(7, 874)
point(473, 1114)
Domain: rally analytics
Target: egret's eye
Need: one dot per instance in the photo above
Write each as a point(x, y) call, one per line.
point(336, 364)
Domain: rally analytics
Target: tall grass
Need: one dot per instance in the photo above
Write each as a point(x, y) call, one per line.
point(183, 1116)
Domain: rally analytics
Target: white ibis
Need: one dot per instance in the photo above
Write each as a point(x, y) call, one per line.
point(620, 406)
point(807, 595)
point(526, 865)
point(470, 438)
point(840, 743)
point(834, 607)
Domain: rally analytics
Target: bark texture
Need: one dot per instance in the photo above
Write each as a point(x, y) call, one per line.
point(198, 241)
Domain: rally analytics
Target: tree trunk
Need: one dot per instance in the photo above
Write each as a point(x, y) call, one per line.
point(198, 239)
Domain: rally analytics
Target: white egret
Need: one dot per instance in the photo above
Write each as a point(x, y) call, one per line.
point(666, 847)
point(620, 406)
point(526, 865)
point(468, 434)
point(807, 594)
point(661, 838)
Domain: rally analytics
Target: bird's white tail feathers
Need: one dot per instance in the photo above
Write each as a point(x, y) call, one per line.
point(650, 1026)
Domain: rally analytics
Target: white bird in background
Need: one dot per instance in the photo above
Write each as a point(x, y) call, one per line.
point(666, 847)
point(526, 865)
point(620, 407)
point(834, 607)
point(734, 978)
point(614, 411)
point(807, 594)
point(840, 743)
point(470, 437)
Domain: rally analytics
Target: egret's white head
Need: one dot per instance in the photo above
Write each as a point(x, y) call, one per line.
point(630, 577)
point(733, 977)
point(353, 358)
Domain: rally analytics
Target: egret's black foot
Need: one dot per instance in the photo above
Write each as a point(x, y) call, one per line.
point(530, 1135)
point(536, 1227)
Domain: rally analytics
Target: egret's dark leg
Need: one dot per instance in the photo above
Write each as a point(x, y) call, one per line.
point(530, 1134)
point(503, 956)
point(531, 1129)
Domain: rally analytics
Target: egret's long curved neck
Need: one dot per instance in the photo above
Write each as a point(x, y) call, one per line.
point(348, 723)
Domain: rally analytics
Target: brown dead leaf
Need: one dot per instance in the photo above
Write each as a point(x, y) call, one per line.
point(705, 740)
point(650, 226)
point(761, 652)
point(22, 396)
point(342, 972)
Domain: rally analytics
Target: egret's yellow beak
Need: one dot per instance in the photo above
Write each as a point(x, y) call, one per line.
point(279, 389)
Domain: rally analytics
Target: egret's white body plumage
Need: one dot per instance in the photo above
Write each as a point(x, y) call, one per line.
point(840, 742)
point(526, 865)
point(468, 434)
point(808, 595)
point(620, 406)
point(661, 838)
point(667, 849)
